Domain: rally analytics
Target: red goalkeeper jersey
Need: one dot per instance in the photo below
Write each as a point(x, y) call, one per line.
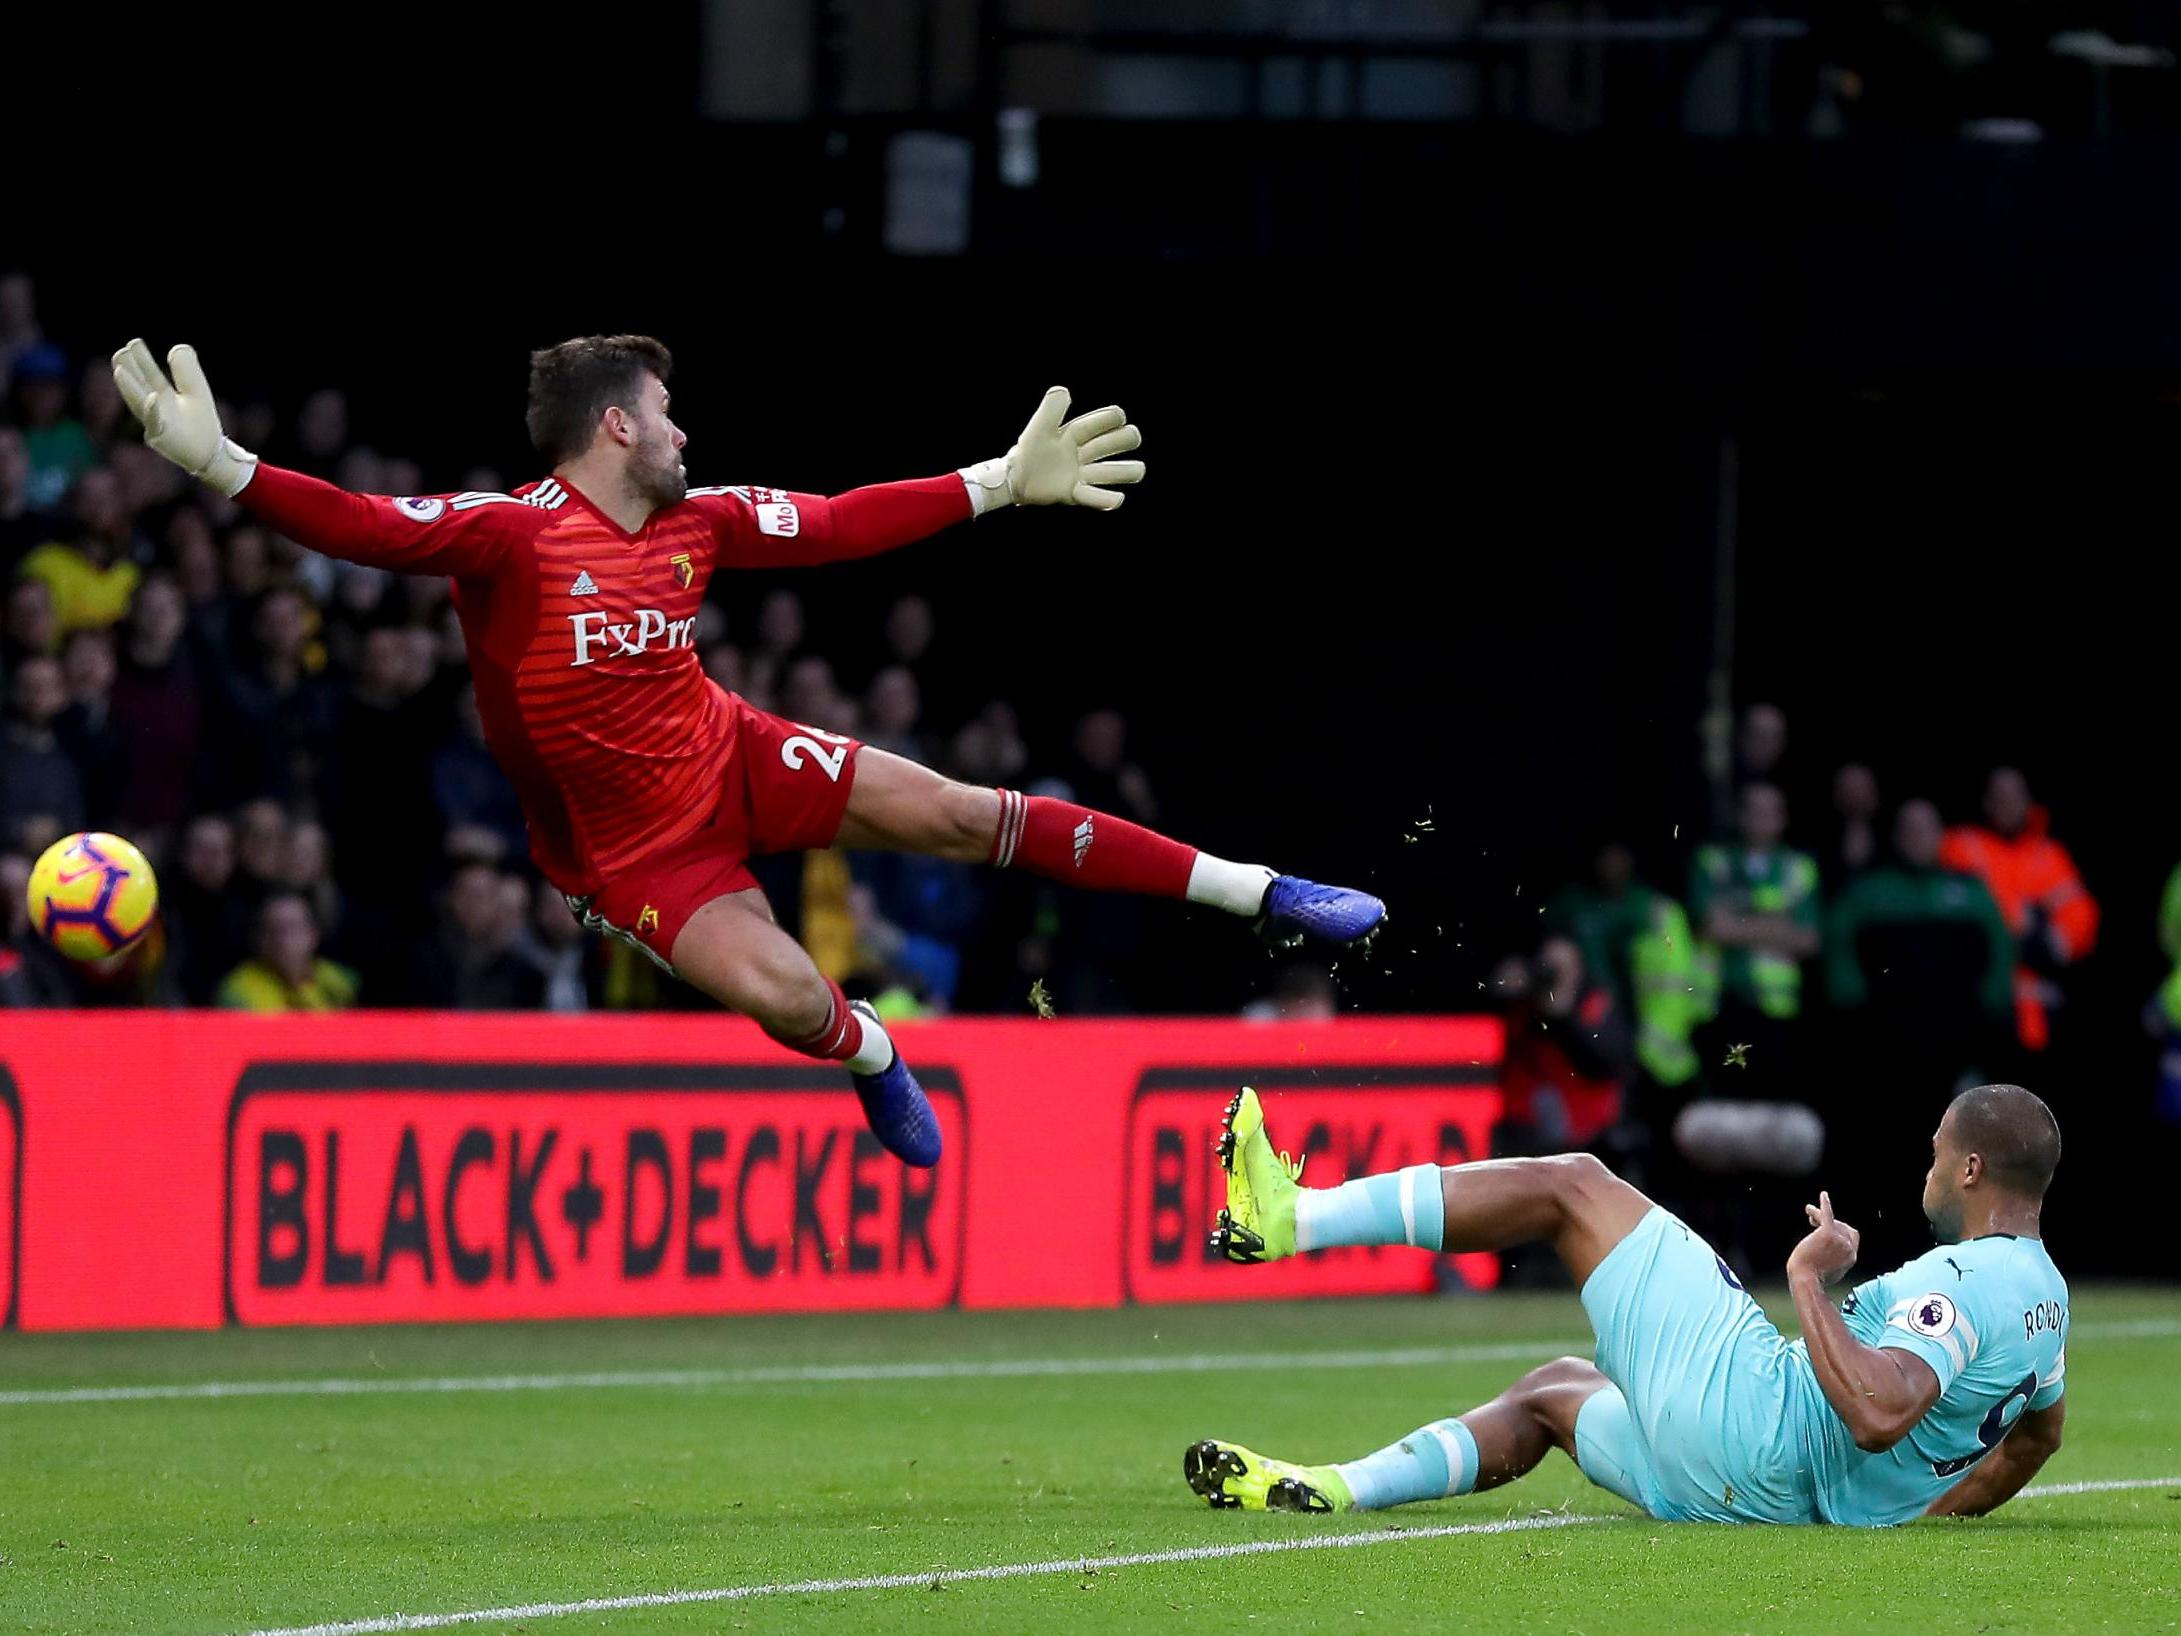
point(581, 635)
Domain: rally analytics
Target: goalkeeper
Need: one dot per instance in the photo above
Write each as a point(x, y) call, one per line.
point(646, 787)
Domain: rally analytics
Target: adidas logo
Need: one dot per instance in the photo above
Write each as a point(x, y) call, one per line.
point(584, 585)
point(1083, 840)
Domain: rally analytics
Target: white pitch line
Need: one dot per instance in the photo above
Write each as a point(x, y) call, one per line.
point(2045, 1491)
point(821, 1374)
point(932, 1577)
point(1179, 1363)
point(1024, 1570)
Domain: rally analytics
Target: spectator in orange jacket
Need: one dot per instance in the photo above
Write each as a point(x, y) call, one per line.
point(2053, 917)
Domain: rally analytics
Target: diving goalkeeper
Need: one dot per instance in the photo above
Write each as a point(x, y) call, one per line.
point(646, 786)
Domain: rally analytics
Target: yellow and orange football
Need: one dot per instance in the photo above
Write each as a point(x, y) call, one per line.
point(92, 895)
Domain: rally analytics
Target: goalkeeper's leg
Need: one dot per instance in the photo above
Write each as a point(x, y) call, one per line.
point(897, 806)
point(731, 950)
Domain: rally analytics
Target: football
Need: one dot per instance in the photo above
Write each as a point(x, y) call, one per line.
point(92, 895)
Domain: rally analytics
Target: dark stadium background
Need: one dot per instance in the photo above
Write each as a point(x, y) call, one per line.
point(1442, 424)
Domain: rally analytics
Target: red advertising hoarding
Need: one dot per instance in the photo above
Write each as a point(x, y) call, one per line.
point(1343, 1121)
point(11, 1191)
point(192, 1169)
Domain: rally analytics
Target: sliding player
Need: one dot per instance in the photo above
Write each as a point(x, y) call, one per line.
point(646, 787)
point(1936, 1390)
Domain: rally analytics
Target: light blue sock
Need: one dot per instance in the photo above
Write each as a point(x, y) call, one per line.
point(1431, 1463)
point(1398, 1207)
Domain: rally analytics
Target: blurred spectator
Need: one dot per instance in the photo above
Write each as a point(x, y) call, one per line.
point(1637, 941)
point(41, 792)
point(1570, 1053)
point(246, 563)
point(1302, 992)
point(1853, 846)
point(1760, 745)
point(357, 605)
point(283, 716)
point(554, 944)
point(149, 484)
point(780, 628)
point(321, 432)
point(723, 662)
point(1921, 941)
point(909, 631)
point(1755, 903)
point(472, 965)
point(308, 868)
point(808, 695)
point(209, 921)
point(387, 833)
point(891, 712)
point(31, 628)
point(1102, 776)
point(158, 710)
point(105, 417)
point(2165, 1010)
point(197, 571)
point(903, 974)
point(468, 787)
point(929, 909)
point(60, 449)
point(91, 574)
point(19, 330)
point(287, 973)
point(1010, 754)
point(2053, 917)
point(261, 848)
point(86, 729)
point(21, 524)
point(907, 635)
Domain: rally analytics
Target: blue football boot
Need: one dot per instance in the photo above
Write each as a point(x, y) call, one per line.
point(1296, 908)
point(896, 1109)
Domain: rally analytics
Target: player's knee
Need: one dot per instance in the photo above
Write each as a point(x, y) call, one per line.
point(1558, 1374)
point(1579, 1176)
point(789, 999)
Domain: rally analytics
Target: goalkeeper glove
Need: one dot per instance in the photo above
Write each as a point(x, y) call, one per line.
point(1056, 464)
point(180, 419)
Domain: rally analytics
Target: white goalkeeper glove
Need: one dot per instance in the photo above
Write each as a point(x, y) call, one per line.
point(180, 419)
point(1056, 464)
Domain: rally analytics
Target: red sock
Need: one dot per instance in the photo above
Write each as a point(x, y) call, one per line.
point(1062, 841)
point(840, 1038)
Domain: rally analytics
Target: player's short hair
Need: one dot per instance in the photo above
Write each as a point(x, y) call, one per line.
point(572, 384)
point(2015, 1134)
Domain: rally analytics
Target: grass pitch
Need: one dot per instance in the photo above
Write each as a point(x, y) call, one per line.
point(717, 1454)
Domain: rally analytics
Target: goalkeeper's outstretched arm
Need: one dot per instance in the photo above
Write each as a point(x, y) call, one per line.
point(418, 535)
point(1053, 463)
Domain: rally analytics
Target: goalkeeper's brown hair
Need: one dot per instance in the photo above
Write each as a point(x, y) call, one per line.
point(572, 384)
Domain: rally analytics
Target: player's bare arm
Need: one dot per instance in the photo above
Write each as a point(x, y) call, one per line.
point(1879, 1391)
point(2007, 1470)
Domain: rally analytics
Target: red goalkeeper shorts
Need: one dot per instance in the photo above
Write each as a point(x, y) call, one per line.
point(785, 790)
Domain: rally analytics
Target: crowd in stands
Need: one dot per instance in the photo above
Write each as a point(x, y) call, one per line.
point(294, 743)
point(1853, 982)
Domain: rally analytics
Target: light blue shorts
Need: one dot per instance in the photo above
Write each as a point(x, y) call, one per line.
point(1696, 1425)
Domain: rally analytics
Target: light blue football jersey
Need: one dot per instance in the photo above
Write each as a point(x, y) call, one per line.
point(1989, 1316)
